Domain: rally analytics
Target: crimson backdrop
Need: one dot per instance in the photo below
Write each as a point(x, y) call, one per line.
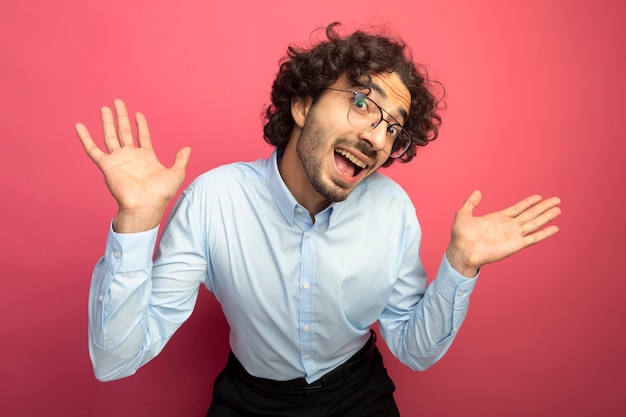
point(535, 94)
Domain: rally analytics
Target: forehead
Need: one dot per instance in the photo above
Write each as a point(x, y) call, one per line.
point(394, 93)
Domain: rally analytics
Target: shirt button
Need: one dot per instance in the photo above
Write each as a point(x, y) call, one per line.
point(306, 285)
point(305, 328)
point(309, 234)
point(307, 357)
point(461, 293)
point(116, 254)
point(100, 298)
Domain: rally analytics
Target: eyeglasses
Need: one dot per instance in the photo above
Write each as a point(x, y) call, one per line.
point(365, 115)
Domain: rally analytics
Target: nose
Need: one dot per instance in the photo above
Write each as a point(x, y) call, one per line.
point(377, 137)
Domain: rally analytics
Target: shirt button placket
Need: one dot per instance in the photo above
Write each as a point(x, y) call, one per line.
point(307, 281)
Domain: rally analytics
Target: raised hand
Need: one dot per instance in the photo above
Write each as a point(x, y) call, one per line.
point(477, 241)
point(140, 184)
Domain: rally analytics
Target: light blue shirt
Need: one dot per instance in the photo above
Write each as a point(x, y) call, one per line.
point(300, 296)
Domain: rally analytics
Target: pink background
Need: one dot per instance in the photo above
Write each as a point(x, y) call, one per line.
point(535, 104)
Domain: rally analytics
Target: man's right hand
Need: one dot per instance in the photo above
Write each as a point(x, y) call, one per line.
point(140, 184)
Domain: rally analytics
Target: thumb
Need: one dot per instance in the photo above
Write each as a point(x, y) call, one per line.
point(182, 158)
point(472, 202)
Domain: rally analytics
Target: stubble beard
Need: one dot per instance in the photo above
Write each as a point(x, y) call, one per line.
point(312, 145)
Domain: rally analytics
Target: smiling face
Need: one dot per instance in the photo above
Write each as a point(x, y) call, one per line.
point(326, 158)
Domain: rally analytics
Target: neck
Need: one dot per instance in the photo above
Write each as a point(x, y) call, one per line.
point(296, 180)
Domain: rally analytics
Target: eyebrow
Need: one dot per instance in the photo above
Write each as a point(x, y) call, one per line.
point(373, 86)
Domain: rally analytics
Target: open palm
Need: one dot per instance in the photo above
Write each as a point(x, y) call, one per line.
point(140, 184)
point(477, 241)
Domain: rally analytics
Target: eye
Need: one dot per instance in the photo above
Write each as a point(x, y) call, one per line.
point(361, 103)
point(393, 130)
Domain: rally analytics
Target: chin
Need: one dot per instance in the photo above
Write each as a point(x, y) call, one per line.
point(334, 192)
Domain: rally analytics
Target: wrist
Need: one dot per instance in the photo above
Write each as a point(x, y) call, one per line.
point(137, 220)
point(461, 263)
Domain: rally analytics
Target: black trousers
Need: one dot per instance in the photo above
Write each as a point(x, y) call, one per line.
point(360, 387)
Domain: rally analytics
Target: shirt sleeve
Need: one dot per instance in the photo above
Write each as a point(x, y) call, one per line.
point(136, 304)
point(420, 322)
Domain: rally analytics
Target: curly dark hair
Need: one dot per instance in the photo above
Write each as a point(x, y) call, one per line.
point(307, 73)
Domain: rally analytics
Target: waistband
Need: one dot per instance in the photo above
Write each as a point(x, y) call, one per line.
point(342, 372)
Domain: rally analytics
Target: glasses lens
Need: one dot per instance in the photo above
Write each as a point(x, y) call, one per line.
point(401, 144)
point(364, 114)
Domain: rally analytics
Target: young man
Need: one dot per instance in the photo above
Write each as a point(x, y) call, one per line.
point(305, 251)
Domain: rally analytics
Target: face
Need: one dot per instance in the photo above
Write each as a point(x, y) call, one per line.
point(335, 157)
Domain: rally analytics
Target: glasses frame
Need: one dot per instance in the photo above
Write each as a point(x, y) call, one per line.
point(393, 155)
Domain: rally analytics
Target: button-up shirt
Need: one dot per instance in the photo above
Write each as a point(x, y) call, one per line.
point(299, 294)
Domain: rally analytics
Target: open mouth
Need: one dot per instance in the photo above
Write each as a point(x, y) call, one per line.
point(348, 164)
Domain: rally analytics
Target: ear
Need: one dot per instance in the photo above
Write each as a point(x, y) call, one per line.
point(300, 110)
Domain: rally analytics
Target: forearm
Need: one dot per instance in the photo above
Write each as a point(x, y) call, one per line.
point(117, 343)
point(136, 304)
point(420, 336)
point(118, 307)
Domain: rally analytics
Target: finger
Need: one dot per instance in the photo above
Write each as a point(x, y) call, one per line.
point(538, 209)
point(518, 208)
point(143, 133)
point(537, 237)
point(88, 144)
point(108, 128)
point(541, 220)
point(124, 130)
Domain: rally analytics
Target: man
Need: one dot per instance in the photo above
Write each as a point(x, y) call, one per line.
point(305, 251)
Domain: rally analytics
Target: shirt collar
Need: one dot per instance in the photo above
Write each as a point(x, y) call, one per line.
point(286, 201)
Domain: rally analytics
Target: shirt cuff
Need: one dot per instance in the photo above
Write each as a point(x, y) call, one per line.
point(130, 251)
point(453, 286)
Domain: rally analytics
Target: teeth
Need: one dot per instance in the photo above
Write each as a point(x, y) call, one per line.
point(356, 161)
